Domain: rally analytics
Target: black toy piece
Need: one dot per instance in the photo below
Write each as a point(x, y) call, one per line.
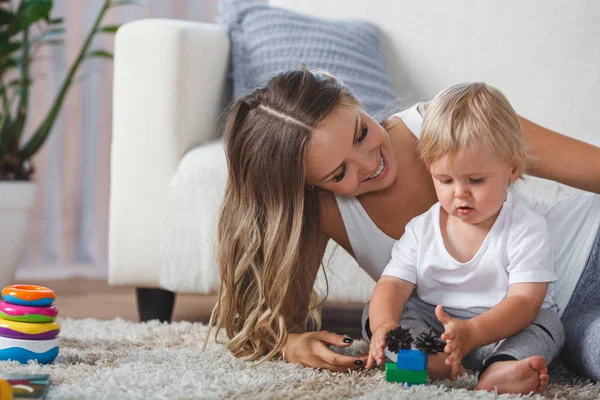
point(429, 343)
point(401, 338)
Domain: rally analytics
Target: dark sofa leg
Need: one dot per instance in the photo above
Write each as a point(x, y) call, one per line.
point(155, 304)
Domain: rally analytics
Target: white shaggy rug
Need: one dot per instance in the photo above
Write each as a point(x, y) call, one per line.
point(125, 360)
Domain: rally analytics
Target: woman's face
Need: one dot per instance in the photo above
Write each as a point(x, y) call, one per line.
point(350, 154)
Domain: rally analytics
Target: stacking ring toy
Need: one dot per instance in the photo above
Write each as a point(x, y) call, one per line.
point(28, 331)
point(5, 390)
point(28, 295)
point(43, 351)
point(15, 312)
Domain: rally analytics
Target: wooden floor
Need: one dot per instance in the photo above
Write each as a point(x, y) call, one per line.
point(82, 298)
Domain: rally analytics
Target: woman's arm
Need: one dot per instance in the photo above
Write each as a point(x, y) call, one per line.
point(561, 158)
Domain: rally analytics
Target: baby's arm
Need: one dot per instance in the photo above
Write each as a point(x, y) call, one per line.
point(385, 309)
point(392, 291)
point(513, 314)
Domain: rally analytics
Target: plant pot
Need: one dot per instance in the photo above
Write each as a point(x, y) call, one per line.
point(16, 204)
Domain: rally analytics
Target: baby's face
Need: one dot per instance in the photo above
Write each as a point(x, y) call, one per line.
point(471, 185)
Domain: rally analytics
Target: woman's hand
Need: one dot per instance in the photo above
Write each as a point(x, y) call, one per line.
point(311, 349)
point(458, 337)
point(378, 343)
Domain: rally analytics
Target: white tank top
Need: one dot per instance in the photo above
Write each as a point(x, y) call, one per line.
point(573, 225)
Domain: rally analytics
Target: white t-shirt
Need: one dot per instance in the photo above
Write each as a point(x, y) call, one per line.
point(517, 249)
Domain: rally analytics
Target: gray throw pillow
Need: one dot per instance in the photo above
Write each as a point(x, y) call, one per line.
point(266, 40)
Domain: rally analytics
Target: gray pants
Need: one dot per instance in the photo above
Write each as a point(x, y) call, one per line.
point(581, 353)
point(544, 337)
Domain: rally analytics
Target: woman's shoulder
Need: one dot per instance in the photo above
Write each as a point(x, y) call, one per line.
point(410, 119)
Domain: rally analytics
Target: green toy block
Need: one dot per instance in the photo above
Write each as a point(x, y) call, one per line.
point(394, 374)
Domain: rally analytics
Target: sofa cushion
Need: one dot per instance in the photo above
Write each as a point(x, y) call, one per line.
point(266, 40)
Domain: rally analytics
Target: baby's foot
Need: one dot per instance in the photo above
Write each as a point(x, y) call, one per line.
point(524, 376)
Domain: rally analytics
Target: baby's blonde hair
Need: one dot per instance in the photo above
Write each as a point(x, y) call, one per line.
point(472, 114)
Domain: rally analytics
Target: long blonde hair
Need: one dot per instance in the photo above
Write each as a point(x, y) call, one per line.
point(268, 224)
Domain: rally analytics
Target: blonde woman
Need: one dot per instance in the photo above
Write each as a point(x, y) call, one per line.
point(307, 164)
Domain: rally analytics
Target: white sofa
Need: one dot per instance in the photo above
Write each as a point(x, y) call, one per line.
point(167, 166)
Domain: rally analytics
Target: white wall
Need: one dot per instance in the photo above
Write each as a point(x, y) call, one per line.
point(543, 54)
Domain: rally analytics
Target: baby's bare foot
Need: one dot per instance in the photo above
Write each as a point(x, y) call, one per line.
point(544, 378)
point(524, 376)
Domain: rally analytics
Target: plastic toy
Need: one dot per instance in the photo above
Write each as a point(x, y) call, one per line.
point(28, 295)
point(28, 330)
point(15, 312)
point(411, 365)
point(43, 351)
point(413, 360)
point(5, 390)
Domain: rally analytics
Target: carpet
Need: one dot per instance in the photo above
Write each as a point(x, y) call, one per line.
point(120, 359)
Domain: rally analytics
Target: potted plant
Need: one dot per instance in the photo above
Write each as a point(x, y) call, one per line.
point(18, 45)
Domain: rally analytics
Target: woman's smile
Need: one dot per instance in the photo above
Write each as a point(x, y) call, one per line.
point(381, 171)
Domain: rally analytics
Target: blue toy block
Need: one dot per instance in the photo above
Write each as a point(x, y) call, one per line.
point(412, 360)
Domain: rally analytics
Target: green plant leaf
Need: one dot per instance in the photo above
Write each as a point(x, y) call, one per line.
point(109, 28)
point(11, 47)
point(10, 63)
point(4, 38)
point(100, 53)
point(32, 11)
point(19, 83)
point(3, 123)
point(6, 17)
point(40, 135)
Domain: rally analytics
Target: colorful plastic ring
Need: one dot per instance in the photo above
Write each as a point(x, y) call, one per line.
point(43, 351)
point(29, 331)
point(28, 295)
point(5, 390)
point(15, 312)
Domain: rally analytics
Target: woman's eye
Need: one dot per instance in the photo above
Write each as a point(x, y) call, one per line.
point(340, 176)
point(446, 181)
point(476, 181)
point(363, 134)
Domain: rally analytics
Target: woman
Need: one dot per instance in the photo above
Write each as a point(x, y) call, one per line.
point(303, 157)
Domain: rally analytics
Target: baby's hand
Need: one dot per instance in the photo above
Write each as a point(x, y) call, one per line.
point(458, 337)
point(378, 344)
